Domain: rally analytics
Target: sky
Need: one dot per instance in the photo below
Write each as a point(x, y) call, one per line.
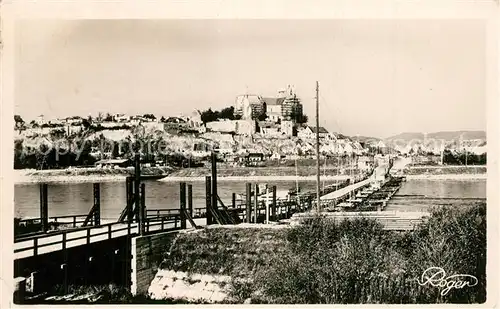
point(377, 77)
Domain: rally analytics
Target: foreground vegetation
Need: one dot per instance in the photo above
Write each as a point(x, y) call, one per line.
point(353, 262)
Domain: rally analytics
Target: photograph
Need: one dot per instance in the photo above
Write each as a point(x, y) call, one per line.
point(249, 161)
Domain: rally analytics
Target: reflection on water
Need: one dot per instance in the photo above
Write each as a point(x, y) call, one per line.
point(77, 198)
point(420, 195)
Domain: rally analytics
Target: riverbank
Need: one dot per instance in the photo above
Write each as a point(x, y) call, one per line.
point(90, 174)
point(227, 173)
point(445, 170)
point(224, 173)
point(448, 177)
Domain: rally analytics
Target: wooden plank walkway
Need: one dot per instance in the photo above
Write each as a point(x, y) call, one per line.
point(390, 220)
point(346, 190)
point(59, 240)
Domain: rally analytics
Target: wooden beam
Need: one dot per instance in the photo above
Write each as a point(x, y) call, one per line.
point(137, 188)
point(214, 182)
point(44, 207)
point(97, 204)
point(142, 209)
point(256, 203)
point(248, 202)
point(183, 204)
point(190, 199)
point(208, 193)
point(273, 205)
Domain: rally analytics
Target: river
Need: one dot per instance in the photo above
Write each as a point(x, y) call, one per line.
point(421, 195)
point(76, 198)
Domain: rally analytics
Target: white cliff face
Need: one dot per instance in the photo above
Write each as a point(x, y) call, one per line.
point(169, 284)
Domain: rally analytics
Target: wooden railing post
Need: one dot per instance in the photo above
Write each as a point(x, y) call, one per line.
point(142, 209)
point(35, 246)
point(267, 205)
point(256, 203)
point(131, 198)
point(233, 200)
point(44, 207)
point(137, 188)
point(214, 182)
point(97, 204)
point(273, 205)
point(249, 202)
point(183, 204)
point(190, 200)
point(65, 259)
point(208, 192)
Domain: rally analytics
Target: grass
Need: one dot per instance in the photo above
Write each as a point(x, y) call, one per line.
point(98, 294)
point(351, 262)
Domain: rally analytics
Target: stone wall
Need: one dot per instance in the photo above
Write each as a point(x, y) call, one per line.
point(147, 254)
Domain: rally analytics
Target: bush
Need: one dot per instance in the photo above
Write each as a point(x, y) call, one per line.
point(358, 262)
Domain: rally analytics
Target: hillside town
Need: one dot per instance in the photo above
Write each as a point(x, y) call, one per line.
point(254, 130)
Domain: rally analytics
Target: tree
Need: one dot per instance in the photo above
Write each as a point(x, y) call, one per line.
point(208, 116)
point(19, 122)
point(108, 117)
point(18, 119)
point(162, 119)
point(149, 116)
point(86, 123)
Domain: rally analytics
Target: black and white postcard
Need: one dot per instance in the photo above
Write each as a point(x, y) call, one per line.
point(267, 153)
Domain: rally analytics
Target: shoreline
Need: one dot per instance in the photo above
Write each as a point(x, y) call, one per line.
point(88, 175)
point(121, 178)
point(448, 177)
point(254, 178)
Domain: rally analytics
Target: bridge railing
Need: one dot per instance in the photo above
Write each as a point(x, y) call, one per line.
point(158, 213)
point(33, 226)
point(63, 238)
point(68, 219)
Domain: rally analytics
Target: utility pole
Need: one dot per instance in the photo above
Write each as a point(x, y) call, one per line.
point(318, 171)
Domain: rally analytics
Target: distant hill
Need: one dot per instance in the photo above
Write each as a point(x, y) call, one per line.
point(445, 135)
point(365, 139)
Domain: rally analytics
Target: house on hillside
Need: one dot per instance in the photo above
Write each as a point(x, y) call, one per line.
point(274, 108)
point(193, 120)
point(310, 132)
point(120, 118)
point(247, 105)
point(269, 129)
point(112, 163)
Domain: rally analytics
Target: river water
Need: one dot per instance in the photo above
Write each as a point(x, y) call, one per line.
point(421, 195)
point(76, 198)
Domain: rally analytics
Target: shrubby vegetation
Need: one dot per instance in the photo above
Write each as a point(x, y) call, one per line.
point(226, 113)
point(450, 158)
point(352, 262)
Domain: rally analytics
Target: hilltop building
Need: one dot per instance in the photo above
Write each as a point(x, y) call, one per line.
point(246, 105)
point(285, 106)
